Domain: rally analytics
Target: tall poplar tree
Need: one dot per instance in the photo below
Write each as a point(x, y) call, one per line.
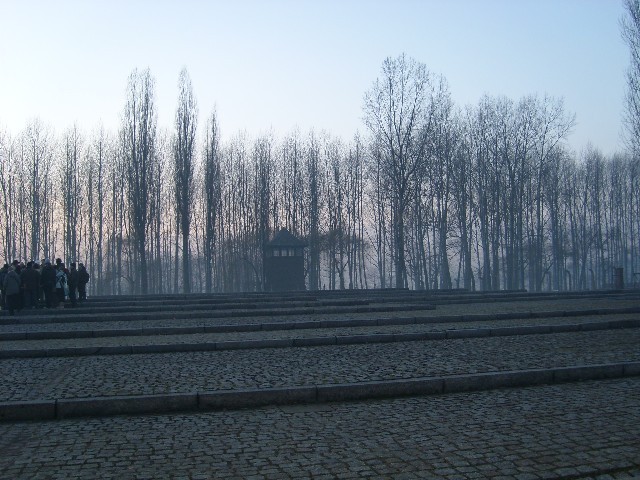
point(139, 138)
point(183, 162)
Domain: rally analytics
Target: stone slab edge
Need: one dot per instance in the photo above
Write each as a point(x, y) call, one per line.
point(316, 341)
point(251, 398)
point(310, 324)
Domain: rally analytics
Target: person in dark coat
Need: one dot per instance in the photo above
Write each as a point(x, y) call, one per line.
point(72, 282)
point(19, 266)
point(36, 267)
point(3, 273)
point(83, 279)
point(30, 279)
point(12, 290)
point(61, 284)
point(48, 283)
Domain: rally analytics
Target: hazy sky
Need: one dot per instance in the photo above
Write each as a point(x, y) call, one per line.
point(272, 65)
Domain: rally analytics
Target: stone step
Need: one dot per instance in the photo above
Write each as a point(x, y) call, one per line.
point(260, 302)
point(183, 372)
point(214, 302)
point(89, 330)
point(512, 403)
point(259, 397)
point(286, 339)
point(59, 316)
point(132, 307)
point(315, 349)
point(143, 313)
point(562, 431)
point(105, 304)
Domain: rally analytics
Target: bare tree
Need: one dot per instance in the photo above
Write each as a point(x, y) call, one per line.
point(552, 125)
point(139, 137)
point(356, 215)
point(313, 205)
point(442, 140)
point(336, 210)
point(630, 26)
point(6, 192)
point(394, 110)
point(378, 196)
point(262, 199)
point(212, 197)
point(116, 170)
point(69, 187)
point(463, 198)
point(37, 164)
point(183, 152)
point(95, 190)
point(161, 200)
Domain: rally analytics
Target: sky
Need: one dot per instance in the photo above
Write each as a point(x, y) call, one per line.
point(273, 66)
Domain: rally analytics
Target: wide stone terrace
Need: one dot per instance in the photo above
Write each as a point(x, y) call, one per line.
point(375, 384)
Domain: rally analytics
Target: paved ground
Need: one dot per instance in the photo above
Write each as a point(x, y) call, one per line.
point(96, 376)
point(111, 321)
point(568, 431)
point(585, 430)
point(102, 338)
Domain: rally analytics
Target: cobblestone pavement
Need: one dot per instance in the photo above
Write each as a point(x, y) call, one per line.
point(148, 339)
point(568, 431)
point(572, 431)
point(109, 321)
point(95, 376)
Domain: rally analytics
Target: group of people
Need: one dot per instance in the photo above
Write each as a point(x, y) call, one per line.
point(37, 285)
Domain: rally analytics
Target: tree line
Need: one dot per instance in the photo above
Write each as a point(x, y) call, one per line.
point(432, 196)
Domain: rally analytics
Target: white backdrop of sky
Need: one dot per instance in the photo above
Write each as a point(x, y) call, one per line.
point(271, 66)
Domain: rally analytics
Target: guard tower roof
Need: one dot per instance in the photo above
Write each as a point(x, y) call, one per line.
point(284, 238)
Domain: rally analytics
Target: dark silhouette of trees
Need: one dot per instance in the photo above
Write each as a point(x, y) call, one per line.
point(396, 114)
point(482, 197)
point(138, 147)
point(211, 194)
point(630, 26)
point(183, 157)
point(69, 192)
point(37, 152)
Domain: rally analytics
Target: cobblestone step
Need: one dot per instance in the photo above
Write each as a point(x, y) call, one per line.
point(305, 324)
point(564, 431)
point(181, 303)
point(517, 309)
point(314, 349)
point(288, 335)
point(252, 398)
point(59, 315)
point(516, 402)
point(186, 372)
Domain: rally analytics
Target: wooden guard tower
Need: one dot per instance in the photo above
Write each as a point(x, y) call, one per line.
point(284, 263)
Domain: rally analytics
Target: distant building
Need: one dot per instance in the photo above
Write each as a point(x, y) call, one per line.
point(284, 263)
